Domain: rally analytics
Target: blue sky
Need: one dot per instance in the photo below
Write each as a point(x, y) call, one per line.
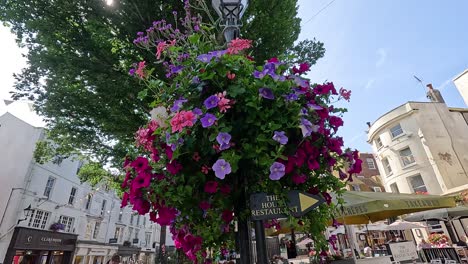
point(373, 48)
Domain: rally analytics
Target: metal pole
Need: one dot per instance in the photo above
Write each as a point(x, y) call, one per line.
point(162, 246)
point(260, 242)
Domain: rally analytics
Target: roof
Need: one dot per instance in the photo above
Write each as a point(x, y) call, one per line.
point(23, 110)
point(460, 75)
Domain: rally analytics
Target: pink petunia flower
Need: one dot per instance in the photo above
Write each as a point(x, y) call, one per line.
point(237, 45)
point(140, 70)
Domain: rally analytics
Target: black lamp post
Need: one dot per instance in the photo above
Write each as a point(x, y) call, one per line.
point(27, 214)
point(230, 12)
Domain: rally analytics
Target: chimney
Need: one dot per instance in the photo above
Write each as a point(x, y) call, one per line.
point(368, 124)
point(434, 95)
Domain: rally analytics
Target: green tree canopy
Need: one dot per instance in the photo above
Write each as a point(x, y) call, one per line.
point(78, 57)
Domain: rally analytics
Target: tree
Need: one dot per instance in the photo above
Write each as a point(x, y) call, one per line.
point(79, 52)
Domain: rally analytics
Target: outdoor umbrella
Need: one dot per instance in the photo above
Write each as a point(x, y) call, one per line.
point(305, 242)
point(365, 207)
point(404, 225)
point(374, 227)
point(445, 214)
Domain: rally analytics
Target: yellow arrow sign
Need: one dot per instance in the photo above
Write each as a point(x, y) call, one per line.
point(306, 201)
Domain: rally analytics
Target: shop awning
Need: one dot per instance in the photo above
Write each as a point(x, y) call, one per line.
point(444, 214)
point(365, 207)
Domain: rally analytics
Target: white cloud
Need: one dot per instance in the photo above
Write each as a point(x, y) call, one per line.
point(369, 84)
point(382, 54)
point(11, 62)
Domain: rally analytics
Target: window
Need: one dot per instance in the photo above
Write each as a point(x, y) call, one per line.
point(96, 230)
point(378, 143)
point(49, 185)
point(67, 222)
point(406, 157)
point(137, 232)
point(118, 233)
point(377, 189)
point(120, 215)
point(387, 167)
point(89, 199)
point(138, 220)
point(103, 207)
point(89, 230)
point(130, 233)
point(356, 187)
point(417, 183)
point(38, 219)
point(71, 199)
point(131, 218)
point(396, 131)
point(147, 239)
point(370, 163)
point(394, 188)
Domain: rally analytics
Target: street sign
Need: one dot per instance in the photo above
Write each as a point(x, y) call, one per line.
point(268, 206)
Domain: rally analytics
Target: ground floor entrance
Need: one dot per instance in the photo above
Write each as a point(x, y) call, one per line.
point(33, 246)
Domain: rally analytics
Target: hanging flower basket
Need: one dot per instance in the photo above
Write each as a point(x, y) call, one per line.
point(224, 127)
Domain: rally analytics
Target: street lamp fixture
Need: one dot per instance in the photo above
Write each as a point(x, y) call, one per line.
point(230, 12)
point(27, 213)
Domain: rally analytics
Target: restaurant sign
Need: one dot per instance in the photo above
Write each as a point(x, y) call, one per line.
point(267, 206)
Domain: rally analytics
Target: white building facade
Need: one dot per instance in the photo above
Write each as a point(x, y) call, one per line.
point(461, 82)
point(422, 147)
point(94, 225)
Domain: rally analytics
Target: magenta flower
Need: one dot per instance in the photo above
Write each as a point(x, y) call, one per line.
point(280, 137)
point(125, 198)
point(143, 180)
point(211, 102)
point(342, 175)
point(166, 215)
point(227, 216)
point(277, 171)
point(204, 205)
point(335, 122)
point(225, 189)
point(299, 178)
point(208, 120)
point(141, 205)
point(221, 168)
point(303, 67)
point(266, 93)
point(223, 139)
point(211, 187)
point(140, 164)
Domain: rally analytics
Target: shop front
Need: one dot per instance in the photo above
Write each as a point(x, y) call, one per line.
point(90, 252)
point(33, 246)
point(129, 254)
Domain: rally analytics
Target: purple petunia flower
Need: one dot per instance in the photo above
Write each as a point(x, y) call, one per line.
point(205, 58)
point(221, 168)
point(197, 111)
point(223, 139)
point(314, 106)
point(211, 102)
point(132, 72)
point(304, 111)
point(277, 171)
point(307, 127)
point(280, 137)
point(291, 97)
point(208, 120)
point(301, 82)
point(259, 74)
point(178, 104)
point(266, 93)
point(217, 53)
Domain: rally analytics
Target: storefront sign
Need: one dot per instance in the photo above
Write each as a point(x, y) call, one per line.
point(27, 238)
point(135, 241)
point(403, 251)
point(267, 206)
point(112, 240)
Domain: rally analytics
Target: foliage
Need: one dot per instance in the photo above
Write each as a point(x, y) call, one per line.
point(223, 127)
point(78, 53)
point(57, 226)
point(439, 240)
point(94, 174)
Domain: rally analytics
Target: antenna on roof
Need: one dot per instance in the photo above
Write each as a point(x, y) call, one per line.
point(420, 82)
